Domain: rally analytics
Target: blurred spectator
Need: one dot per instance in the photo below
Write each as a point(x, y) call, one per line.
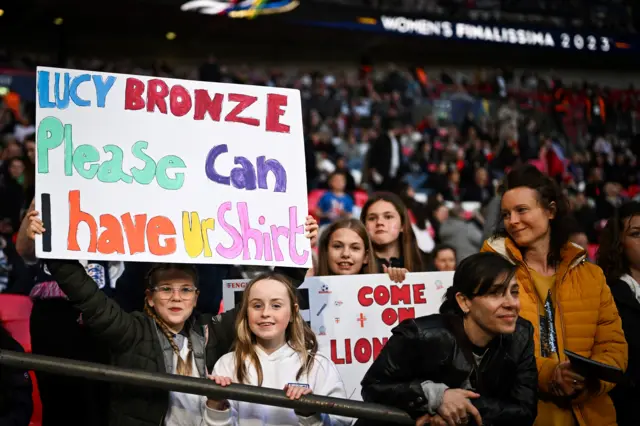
point(335, 204)
point(481, 190)
point(464, 236)
point(385, 158)
point(444, 258)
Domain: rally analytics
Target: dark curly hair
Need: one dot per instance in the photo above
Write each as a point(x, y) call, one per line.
point(550, 197)
point(611, 257)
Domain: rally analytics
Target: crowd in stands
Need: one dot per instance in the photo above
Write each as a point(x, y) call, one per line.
point(443, 144)
point(441, 141)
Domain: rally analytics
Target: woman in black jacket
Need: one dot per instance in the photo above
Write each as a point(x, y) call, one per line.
point(619, 258)
point(473, 363)
point(16, 404)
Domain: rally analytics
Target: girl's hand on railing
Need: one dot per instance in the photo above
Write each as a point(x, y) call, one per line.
point(216, 404)
point(296, 392)
point(36, 227)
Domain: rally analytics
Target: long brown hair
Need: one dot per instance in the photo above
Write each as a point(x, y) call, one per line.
point(163, 272)
point(611, 256)
point(408, 244)
point(298, 335)
point(356, 226)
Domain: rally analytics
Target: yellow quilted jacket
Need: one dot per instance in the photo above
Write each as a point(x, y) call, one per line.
point(586, 322)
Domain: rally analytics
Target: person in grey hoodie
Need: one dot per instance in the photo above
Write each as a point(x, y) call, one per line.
point(464, 236)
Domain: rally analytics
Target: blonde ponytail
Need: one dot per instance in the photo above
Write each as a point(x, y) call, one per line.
point(184, 368)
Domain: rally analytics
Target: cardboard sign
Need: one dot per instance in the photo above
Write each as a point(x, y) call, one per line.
point(353, 316)
point(163, 170)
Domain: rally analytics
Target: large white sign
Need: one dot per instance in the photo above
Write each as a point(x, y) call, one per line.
point(155, 169)
point(353, 316)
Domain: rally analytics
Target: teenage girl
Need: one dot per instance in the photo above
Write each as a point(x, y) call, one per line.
point(387, 221)
point(345, 249)
point(275, 348)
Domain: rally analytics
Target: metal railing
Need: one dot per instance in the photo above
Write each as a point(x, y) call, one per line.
point(191, 385)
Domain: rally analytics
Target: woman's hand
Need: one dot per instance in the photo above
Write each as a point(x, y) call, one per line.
point(36, 227)
point(456, 406)
point(397, 275)
point(213, 403)
point(296, 392)
point(565, 381)
point(311, 229)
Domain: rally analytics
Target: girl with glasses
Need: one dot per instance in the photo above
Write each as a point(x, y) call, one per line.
point(168, 337)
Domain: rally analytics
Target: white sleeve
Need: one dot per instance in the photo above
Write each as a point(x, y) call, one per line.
point(326, 381)
point(228, 417)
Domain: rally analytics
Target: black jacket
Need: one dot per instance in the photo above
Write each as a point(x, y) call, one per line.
point(626, 396)
point(16, 405)
point(436, 348)
point(136, 342)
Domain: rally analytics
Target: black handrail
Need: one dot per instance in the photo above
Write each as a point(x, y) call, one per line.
point(196, 386)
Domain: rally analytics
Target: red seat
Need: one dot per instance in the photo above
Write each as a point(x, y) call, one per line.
point(14, 315)
point(360, 198)
point(313, 199)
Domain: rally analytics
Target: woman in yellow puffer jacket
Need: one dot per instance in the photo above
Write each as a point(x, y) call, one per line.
point(565, 298)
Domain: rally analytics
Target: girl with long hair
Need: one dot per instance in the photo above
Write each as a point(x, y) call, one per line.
point(619, 258)
point(387, 220)
point(274, 348)
point(345, 249)
point(565, 297)
point(473, 363)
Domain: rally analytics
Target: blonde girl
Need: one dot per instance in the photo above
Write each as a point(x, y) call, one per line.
point(275, 348)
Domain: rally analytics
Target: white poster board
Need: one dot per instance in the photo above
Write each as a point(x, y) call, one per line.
point(353, 316)
point(164, 170)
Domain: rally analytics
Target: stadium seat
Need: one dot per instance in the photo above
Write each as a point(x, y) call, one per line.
point(15, 311)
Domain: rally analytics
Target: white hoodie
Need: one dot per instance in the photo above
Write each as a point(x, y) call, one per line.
point(278, 370)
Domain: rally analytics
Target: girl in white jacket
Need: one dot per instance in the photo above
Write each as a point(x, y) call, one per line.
point(275, 348)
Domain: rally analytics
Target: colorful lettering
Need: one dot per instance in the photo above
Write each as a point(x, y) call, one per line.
point(85, 159)
point(66, 89)
point(266, 244)
point(159, 232)
point(245, 176)
point(154, 95)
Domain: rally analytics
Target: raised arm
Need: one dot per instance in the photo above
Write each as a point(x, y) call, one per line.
point(102, 315)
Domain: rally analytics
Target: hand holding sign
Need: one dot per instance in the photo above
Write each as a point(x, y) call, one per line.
point(36, 227)
point(397, 275)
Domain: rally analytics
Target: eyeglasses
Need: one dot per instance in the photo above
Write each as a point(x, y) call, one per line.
point(166, 292)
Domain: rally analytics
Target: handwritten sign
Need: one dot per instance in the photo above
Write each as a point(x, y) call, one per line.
point(352, 316)
point(155, 169)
